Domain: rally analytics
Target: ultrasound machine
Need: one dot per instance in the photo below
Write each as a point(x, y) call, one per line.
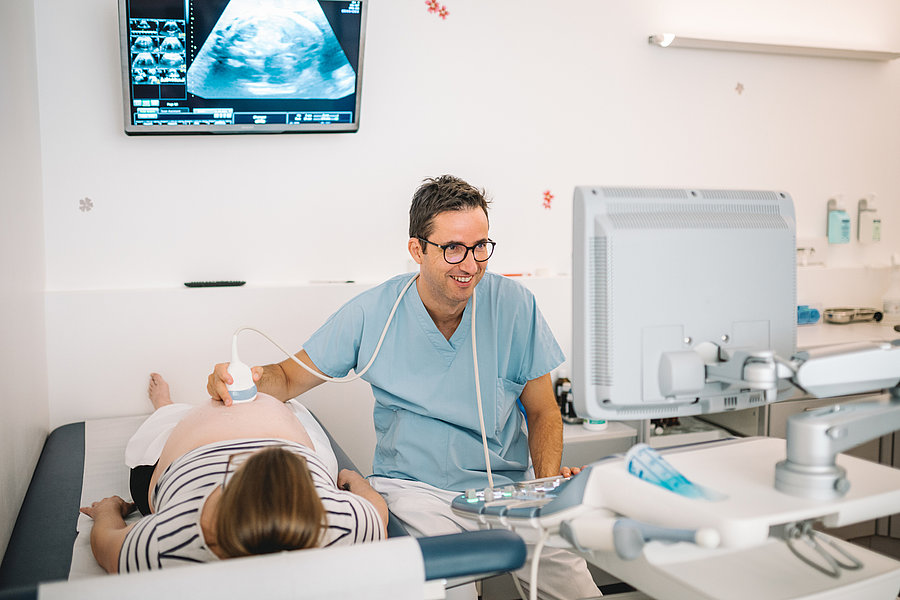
point(684, 304)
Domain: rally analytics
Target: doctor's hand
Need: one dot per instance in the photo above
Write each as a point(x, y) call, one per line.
point(355, 483)
point(349, 479)
point(570, 471)
point(218, 381)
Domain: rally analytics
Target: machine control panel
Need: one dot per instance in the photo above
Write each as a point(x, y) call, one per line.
point(522, 500)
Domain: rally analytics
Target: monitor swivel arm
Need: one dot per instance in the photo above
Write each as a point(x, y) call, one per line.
point(758, 370)
point(815, 438)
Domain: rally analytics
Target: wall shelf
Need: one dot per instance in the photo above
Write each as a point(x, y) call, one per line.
point(671, 40)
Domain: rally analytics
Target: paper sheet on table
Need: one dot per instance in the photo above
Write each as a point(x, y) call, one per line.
point(105, 474)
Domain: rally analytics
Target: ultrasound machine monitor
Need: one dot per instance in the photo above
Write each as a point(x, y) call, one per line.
point(669, 281)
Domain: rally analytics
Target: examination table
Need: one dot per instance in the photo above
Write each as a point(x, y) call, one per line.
point(47, 558)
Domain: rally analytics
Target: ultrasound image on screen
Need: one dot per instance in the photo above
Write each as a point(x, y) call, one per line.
point(271, 49)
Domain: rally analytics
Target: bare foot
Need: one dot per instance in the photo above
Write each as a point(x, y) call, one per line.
point(158, 390)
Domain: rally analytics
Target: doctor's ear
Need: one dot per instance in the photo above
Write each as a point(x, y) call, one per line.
point(415, 250)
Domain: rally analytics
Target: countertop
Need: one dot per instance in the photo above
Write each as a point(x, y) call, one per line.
point(824, 334)
point(614, 430)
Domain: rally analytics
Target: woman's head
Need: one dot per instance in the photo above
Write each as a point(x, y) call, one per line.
point(269, 505)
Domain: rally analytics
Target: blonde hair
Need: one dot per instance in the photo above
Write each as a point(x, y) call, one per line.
point(269, 505)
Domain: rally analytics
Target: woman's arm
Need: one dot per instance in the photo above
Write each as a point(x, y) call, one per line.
point(109, 531)
point(354, 482)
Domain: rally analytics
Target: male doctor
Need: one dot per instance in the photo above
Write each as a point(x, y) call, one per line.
point(429, 443)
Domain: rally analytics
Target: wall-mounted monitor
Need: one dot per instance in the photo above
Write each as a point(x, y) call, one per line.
point(241, 66)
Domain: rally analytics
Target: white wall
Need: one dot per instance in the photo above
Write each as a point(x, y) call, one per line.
point(23, 403)
point(519, 97)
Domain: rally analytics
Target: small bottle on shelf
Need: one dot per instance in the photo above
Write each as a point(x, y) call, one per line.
point(891, 299)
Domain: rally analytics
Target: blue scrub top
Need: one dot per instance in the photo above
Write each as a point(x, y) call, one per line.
point(426, 414)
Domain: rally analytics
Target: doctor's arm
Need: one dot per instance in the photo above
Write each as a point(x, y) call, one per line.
point(545, 429)
point(109, 530)
point(284, 380)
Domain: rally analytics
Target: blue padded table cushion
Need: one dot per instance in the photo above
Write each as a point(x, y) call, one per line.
point(40, 547)
point(471, 553)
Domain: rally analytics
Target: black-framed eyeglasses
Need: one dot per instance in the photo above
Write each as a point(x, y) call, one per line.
point(455, 253)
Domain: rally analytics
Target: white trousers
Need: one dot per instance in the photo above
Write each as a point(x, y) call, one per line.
point(425, 511)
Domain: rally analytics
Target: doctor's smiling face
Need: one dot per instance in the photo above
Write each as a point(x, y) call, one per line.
point(442, 285)
point(448, 238)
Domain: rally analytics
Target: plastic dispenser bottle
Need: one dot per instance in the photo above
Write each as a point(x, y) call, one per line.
point(891, 303)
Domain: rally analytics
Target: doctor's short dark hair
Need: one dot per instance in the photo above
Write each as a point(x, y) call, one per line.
point(441, 194)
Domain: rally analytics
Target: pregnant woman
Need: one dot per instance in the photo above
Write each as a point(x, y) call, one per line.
point(218, 482)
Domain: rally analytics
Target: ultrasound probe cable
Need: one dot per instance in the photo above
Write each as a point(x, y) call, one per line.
point(348, 378)
point(487, 456)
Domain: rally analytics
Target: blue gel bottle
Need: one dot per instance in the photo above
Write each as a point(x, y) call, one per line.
point(646, 463)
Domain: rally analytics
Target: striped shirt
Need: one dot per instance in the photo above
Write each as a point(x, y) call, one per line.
point(171, 535)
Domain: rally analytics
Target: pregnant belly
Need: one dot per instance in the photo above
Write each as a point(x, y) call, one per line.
point(265, 417)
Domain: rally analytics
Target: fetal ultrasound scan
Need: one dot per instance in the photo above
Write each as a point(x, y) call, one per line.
point(271, 49)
